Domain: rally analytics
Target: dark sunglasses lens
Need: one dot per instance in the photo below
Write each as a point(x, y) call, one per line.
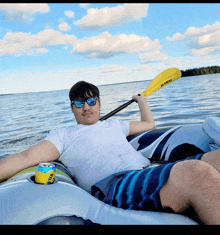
point(91, 101)
point(79, 104)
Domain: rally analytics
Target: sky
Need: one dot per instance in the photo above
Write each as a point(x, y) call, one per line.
point(52, 46)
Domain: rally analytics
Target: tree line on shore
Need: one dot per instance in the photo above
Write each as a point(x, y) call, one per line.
point(200, 71)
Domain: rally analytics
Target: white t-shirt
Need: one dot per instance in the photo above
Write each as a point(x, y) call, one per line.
point(93, 152)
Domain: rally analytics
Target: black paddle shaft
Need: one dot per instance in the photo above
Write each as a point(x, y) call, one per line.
point(116, 110)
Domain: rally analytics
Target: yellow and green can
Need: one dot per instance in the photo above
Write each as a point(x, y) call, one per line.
point(45, 173)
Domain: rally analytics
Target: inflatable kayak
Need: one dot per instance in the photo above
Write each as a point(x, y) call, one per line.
point(22, 201)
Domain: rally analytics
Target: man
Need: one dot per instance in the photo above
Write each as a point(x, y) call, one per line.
point(97, 153)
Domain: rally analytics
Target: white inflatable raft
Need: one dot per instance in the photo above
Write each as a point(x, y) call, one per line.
point(22, 201)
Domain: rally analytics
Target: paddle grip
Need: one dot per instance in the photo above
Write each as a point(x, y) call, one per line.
point(116, 110)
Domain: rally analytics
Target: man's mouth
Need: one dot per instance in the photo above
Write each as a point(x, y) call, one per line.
point(87, 114)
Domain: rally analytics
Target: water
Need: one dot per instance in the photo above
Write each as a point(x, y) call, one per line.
point(25, 119)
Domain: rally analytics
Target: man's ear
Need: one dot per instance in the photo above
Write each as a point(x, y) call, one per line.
point(71, 105)
point(100, 103)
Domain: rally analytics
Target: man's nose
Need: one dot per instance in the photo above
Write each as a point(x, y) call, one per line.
point(86, 106)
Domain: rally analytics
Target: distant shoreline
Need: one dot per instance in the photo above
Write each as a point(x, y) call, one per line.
point(185, 73)
point(201, 71)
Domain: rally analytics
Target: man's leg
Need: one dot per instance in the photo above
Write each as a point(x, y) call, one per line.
point(213, 158)
point(193, 183)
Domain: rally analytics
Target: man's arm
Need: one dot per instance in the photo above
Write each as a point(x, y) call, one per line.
point(14, 163)
point(147, 120)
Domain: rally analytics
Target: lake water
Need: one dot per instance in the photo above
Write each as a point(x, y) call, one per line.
point(25, 119)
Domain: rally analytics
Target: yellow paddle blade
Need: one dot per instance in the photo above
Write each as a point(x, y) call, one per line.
point(163, 79)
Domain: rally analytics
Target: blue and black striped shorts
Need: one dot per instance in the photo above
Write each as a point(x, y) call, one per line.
point(139, 189)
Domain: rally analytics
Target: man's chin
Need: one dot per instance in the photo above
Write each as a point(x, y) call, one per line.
point(89, 121)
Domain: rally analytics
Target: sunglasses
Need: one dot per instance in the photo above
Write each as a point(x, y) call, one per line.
point(80, 103)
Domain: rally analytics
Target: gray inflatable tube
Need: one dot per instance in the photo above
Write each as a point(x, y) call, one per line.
point(22, 201)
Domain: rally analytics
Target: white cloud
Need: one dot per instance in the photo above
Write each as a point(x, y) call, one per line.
point(145, 68)
point(114, 16)
point(64, 26)
point(201, 31)
point(173, 61)
point(154, 56)
point(102, 46)
point(201, 41)
point(22, 12)
point(42, 50)
point(84, 5)
point(69, 14)
point(210, 39)
point(176, 37)
point(79, 71)
point(22, 43)
point(106, 45)
point(204, 51)
point(113, 68)
point(36, 51)
point(199, 61)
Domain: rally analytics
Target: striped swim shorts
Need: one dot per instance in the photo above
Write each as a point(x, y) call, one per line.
point(136, 189)
point(139, 189)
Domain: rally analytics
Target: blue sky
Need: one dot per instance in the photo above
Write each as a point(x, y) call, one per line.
point(52, 46)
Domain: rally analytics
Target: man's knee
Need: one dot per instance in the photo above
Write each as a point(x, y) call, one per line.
point(188, 174)
point(185, 177)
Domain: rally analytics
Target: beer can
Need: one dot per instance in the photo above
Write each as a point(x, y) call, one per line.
point(45, 173)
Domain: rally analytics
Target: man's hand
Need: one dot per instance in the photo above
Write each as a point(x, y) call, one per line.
point(138, 97)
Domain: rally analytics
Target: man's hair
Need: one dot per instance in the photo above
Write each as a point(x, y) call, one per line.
point(82, 90)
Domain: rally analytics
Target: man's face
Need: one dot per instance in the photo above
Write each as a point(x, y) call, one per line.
point(87, 115)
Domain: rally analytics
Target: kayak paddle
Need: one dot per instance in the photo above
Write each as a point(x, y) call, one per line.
point(160, 81)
